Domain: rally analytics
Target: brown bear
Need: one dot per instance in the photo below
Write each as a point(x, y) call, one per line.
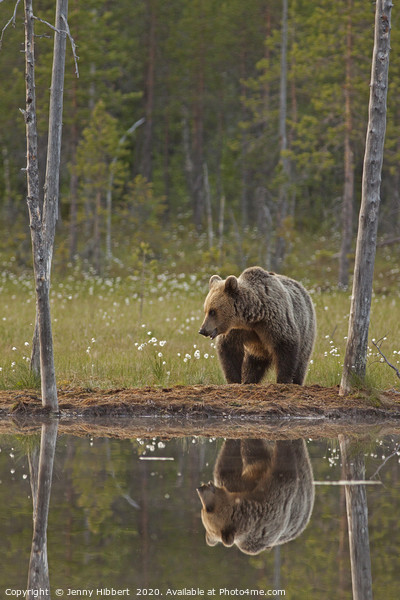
point(260, 319)
point(262, 495)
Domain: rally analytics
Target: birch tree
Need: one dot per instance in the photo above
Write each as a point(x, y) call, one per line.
point(43, 219)
point(357, 342)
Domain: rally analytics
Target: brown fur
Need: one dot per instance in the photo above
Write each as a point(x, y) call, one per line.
point(260, 319)
point(262, 494)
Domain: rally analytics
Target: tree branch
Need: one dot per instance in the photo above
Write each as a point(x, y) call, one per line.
point(378, 347)
point(73, 45)
point(12, 20)
point(68, 33)
point(395, 451)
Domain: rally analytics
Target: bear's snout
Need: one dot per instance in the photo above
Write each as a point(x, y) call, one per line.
point(206, 333)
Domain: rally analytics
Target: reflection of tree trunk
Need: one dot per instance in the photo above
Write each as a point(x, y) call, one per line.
point(144, 525)
point(348, 190)
point(357, 521)
point(343, 547)
point(38, 575)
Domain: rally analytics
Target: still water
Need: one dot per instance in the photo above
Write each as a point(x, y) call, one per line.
point(125, 517)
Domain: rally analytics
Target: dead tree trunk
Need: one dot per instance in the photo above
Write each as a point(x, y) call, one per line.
point(280, 246)
point(348, 189)
point(146, 165)
point(207, 197)
point(43, 222)
point(357, 342)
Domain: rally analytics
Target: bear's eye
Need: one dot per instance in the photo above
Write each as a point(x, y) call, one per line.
point(212, 313)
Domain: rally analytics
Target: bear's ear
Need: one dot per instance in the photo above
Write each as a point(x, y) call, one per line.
point(211, 540)
point(231, 284)
point(213, 280)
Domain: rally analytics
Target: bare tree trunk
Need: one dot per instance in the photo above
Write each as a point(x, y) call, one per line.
point(146, 166)
point(357, 343)
point(96, 233)
point(38, 575)
point(357, 521)
point(73, 188)
point(244, 200)
point(348, 190)
point(43, 222)
point(280, 246)
point(9, 209)
point(207, 196)
point(221, 229)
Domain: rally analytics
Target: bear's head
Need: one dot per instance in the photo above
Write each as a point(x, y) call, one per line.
point(219, 307)
point(216, 514)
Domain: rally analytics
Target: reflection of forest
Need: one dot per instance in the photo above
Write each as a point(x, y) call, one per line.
point(118, 520)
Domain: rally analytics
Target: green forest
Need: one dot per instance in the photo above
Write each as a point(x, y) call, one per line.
point(172, 136)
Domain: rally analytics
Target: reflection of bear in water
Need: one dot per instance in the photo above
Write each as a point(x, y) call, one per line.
point(262, 495)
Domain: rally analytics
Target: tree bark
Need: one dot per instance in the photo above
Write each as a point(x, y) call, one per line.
point(146, 166)
point(43, 221)
point(357, 521)
point(280, 246)
point(207, 196)
point(357, 343)
point(348, 190)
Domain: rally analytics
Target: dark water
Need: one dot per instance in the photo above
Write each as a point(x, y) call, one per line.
point(124, 517)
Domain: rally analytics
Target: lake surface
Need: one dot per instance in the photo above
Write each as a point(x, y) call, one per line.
point(125, 516)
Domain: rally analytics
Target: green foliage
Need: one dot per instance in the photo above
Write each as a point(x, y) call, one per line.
point(212, 71)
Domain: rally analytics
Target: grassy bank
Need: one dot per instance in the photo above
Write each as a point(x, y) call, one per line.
point(127, 332)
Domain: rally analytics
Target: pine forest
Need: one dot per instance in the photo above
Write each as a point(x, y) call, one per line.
point(202, 133)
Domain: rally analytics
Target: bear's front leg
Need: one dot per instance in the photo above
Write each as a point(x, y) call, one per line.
point(254, 368)
point(231, 353)
point(286, 364)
